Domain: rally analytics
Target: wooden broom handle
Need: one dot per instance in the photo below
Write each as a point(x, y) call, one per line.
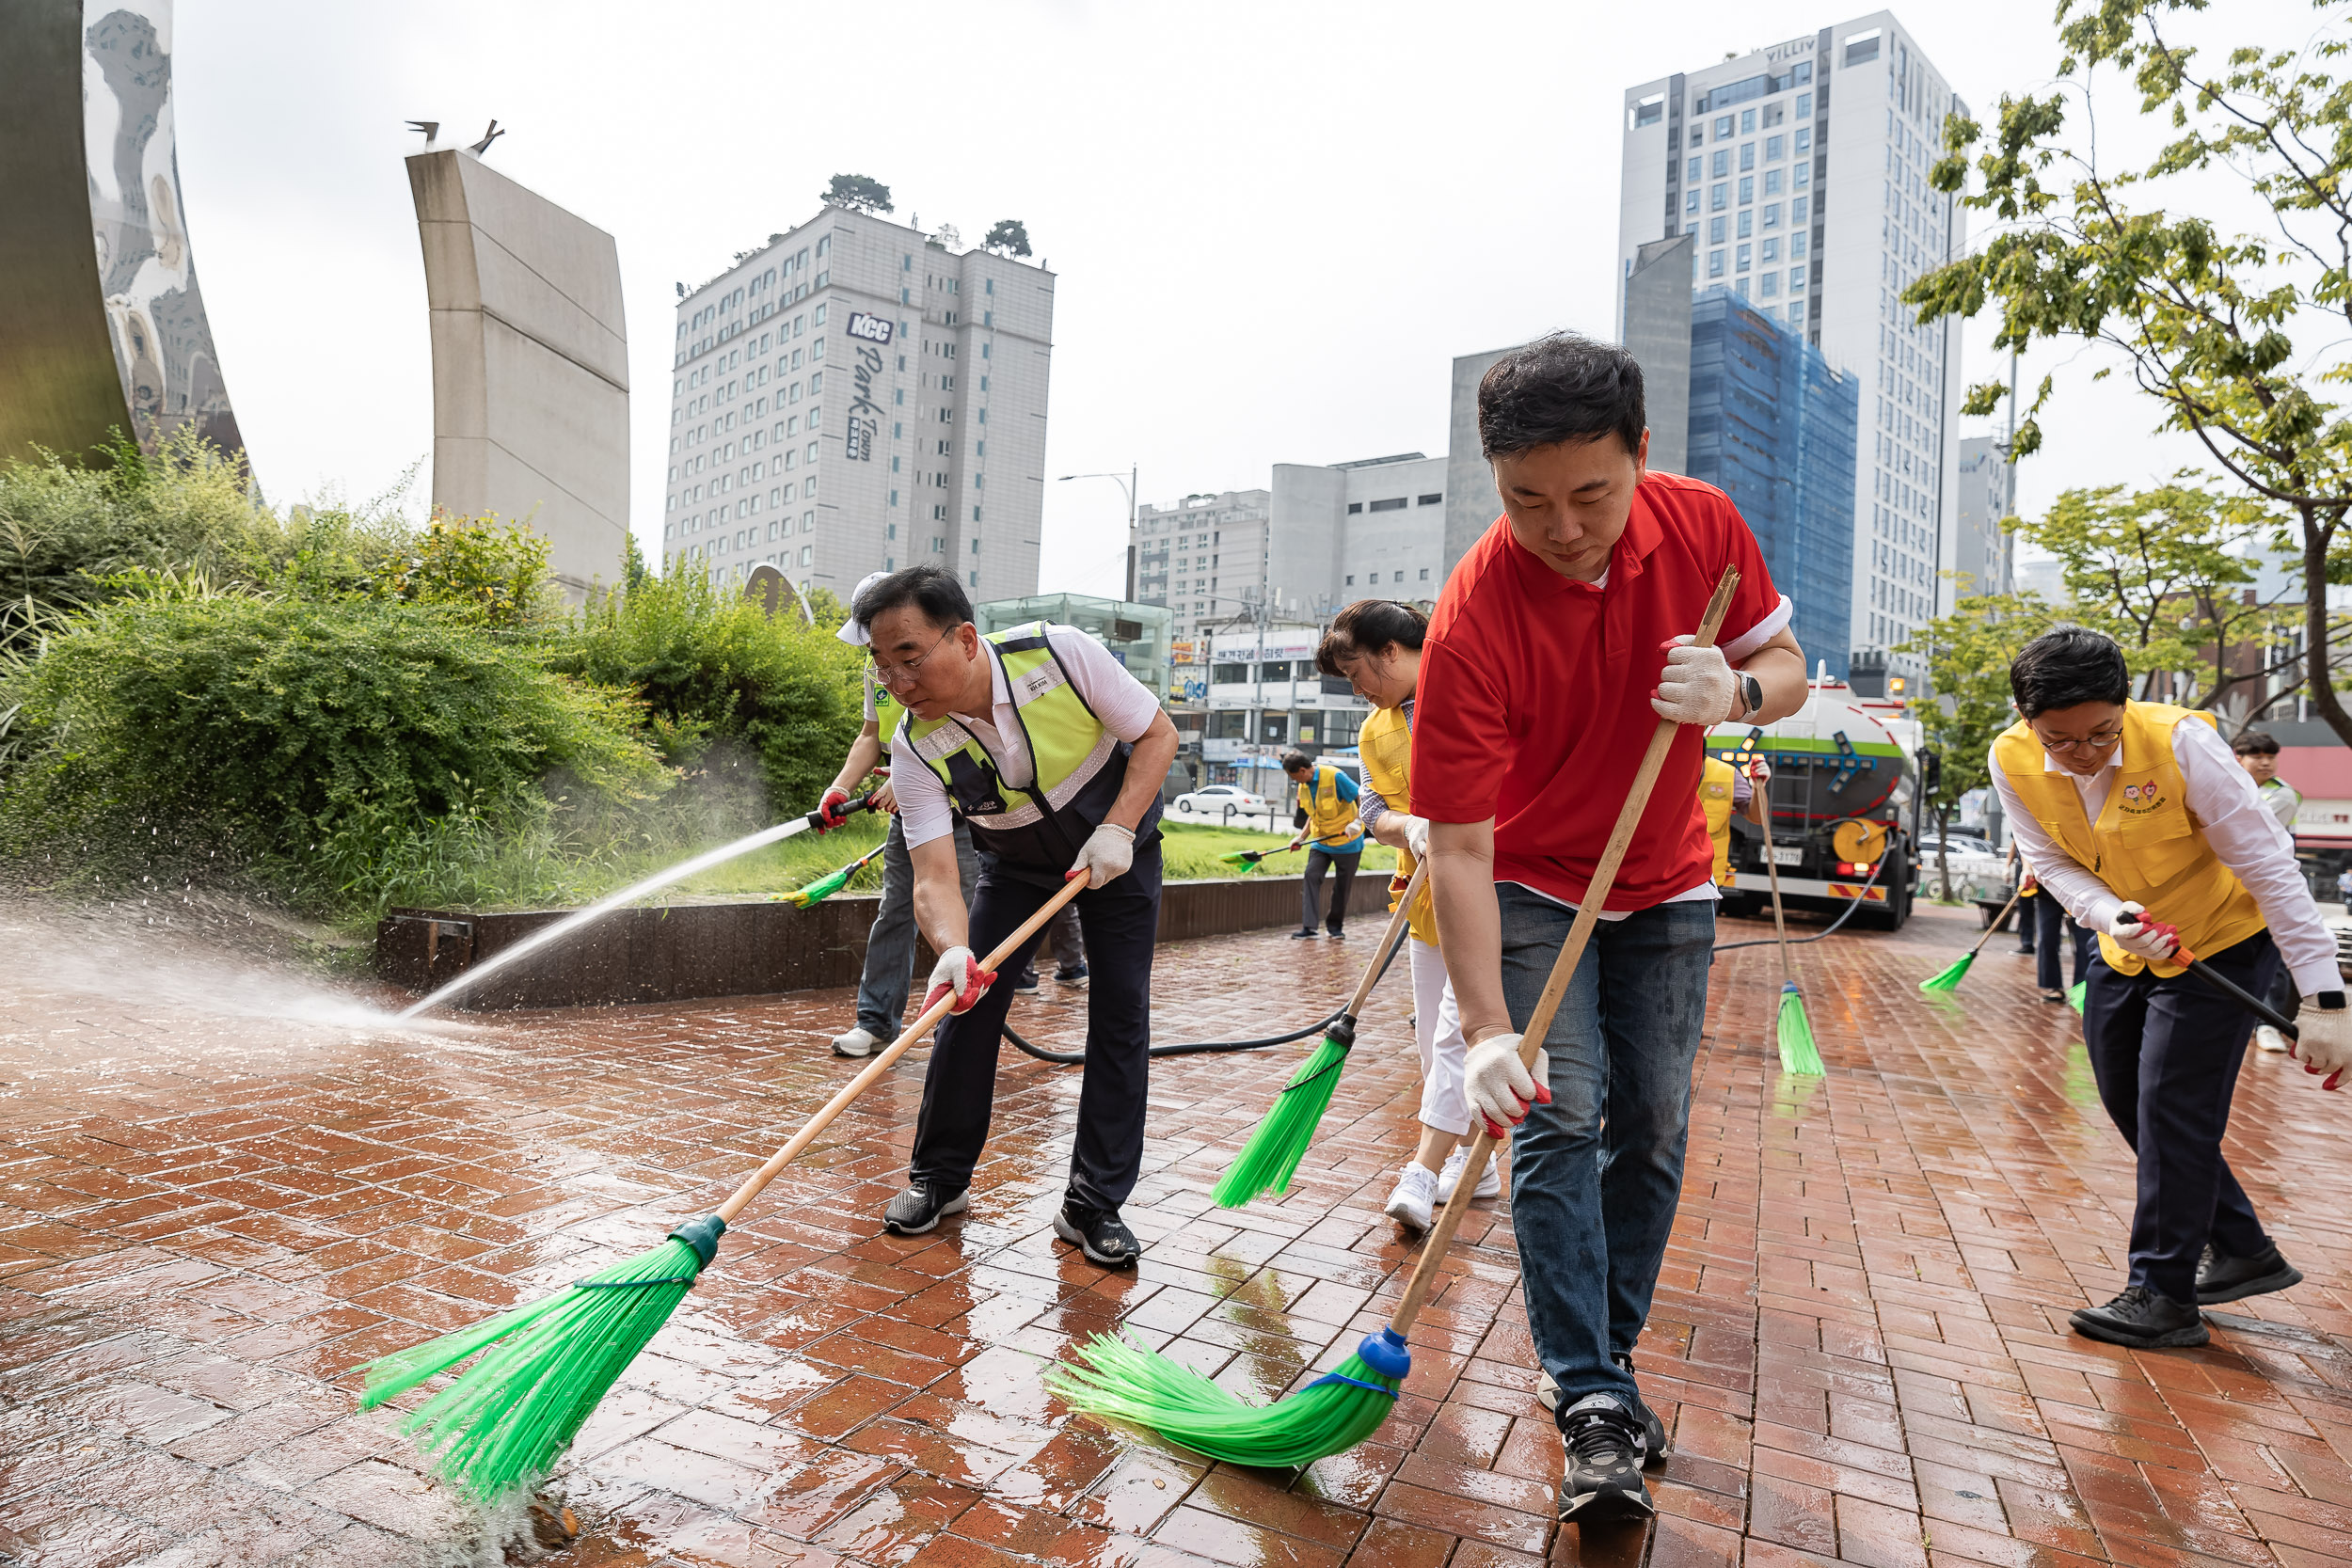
point(1563, 971)
point(1997, 920)
point(880, 1065)
point(1397, 921)
point(1771, 868)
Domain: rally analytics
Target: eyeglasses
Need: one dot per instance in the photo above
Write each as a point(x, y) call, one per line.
point(2098, 741)
point(890, 673)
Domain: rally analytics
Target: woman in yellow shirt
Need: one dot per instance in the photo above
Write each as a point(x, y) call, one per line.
point(1374, 644)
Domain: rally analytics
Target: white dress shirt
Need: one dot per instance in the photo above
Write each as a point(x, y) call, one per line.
point(2237, 824)
point(1123, 703)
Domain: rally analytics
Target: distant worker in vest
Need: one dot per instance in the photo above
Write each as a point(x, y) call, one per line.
point(889, 972)
point(2257, 752)
point(1374, 644)
point(1054, 755)
point(1327, 815)
point(1725, 789)
point(2135, 819)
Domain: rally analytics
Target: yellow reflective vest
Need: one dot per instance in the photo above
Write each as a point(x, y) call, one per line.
point(1716, 782)
point(1331, 819)
point(1385, 742)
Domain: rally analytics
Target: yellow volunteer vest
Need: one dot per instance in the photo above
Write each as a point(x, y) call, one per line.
point(1385, 742)
point(2145, 845)
point(1331, 819)
point(1715, 785)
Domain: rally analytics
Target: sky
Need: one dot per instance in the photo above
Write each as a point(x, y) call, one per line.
point(1274, 227)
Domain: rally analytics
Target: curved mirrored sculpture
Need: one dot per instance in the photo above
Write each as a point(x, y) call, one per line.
point(102, 323)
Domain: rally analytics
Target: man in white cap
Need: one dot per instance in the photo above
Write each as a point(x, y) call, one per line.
point(889, 974)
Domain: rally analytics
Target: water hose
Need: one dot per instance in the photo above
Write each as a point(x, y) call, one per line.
point(1867, 883)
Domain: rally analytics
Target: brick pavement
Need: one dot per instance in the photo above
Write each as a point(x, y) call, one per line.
point(1859, 1341)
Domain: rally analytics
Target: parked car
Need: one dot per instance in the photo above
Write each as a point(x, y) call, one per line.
point(1979, 874)
point(1221, 800)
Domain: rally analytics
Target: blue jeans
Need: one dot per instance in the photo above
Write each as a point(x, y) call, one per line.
point(889, 973)
point(1597, 1175)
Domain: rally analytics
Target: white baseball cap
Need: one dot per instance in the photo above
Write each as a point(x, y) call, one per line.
point(851, 632)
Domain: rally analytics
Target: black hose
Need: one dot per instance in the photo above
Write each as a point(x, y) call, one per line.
point(1867, 883)
point(1203, 1047)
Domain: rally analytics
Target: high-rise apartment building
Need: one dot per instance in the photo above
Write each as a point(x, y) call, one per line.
point(1203, 558)
point(1371, 529)
point(856, 395)
point(1801, 171)
point(1987, 489)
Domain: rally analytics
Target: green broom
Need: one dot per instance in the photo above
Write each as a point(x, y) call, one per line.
point(1119, 1378)
point(1247, 859)
point(1267, 1162)
point(1798, 1056)
point(1949, 979)
point(507, 1417)
point(832, 883)
point(2075, 995)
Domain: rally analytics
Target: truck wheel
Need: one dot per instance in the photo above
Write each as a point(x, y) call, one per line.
point(1895, 878)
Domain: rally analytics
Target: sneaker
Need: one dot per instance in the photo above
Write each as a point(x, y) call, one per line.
point(1653, 1430)
point(919, 1208)
point(857, 1042)
point(1100, 1233)
point(2269, 1039)
point(1071, 977)
point(2142, 1319)
point(2221, 1278)
point(1307, 935)
point(1025, 983)
point(1605, 1457)
point(1338, 935)
point(1415, 1199)
point(1489, 1179)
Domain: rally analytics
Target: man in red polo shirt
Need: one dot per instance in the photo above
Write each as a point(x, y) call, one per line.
point(1559, 641)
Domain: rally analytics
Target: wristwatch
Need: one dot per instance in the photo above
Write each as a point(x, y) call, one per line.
point(1751, 696)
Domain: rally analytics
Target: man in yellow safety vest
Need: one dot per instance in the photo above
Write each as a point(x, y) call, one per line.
point(1326, 815)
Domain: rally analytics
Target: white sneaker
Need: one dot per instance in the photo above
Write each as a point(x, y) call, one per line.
point(1489, 1179)
point(857, 1042)
point(1415, 1198)
point(2269, 1039)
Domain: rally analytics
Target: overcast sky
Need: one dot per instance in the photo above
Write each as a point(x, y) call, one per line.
point(1273, 225)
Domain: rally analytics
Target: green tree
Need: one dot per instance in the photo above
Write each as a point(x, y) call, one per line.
point(1010, 237)
point(1968, 655)
point(2171, 575)
point(2239, 338)
point(859, 193)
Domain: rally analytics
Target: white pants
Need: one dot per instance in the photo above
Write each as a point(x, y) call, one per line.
point(1438, 1031)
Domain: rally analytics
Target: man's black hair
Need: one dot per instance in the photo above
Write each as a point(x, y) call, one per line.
point(933, 590)
point(2259, 743)
point(1563, 388)
point(2066, 666)
point(1371, 627)
point(1293, 761)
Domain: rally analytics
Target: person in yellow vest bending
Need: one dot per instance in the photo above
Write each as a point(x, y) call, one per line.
point(1374, 644)
point(1326, 815)
point(2135, 819)
point(1725, 789)
point(1039, 739)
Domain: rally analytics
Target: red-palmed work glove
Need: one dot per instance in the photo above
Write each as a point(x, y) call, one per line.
point(832, 811)
point(1499, 1088)
point(2140, 937)
point(959, 972)
point(1696, 687)
point(2323, 1043)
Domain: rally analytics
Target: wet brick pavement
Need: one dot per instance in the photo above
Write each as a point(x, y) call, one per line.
point(1859, 1341)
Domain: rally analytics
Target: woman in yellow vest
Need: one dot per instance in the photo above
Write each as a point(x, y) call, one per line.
point(1326, 815)
point(1375, 645)
point(2136, 819)
point(1725, 789)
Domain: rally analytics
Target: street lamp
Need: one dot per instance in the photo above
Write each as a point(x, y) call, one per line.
point(1126, 482)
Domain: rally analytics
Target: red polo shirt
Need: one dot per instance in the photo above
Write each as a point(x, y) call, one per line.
point(1534, 701)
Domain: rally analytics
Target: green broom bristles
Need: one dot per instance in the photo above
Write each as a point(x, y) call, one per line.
point(2075, 995)
point(507, 1417)
point(1798, 1056)
point(1247, 859)
point(830, 882)
point(1266, 1161)
point(1124, 1381)
point(1950, 980)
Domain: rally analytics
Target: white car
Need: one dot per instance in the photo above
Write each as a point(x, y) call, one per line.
point(1218, 800)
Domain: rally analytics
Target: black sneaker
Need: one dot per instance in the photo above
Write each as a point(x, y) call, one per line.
point(2221, 1278)
point(1307, 935)
point(1100, 1233)
point(2142, 1319)
point(1336, 936)
point(1653, 1430)
point(1605, 1457)
point(919, 1208)
point(1071, 977)
point(1025, 983)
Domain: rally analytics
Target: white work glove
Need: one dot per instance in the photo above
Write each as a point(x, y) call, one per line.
point(1499, 1089)
point(2323, 1043)
point(2137, 935)
point(1109, 852)
point(1417, 837)
point(959, 972)
point(1696, 687)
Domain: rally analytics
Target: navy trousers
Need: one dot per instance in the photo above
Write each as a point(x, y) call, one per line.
point(2050, 920)
point(1121, 921)
point(2166, 1055)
